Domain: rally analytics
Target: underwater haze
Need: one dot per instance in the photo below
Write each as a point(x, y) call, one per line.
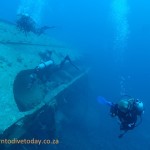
point(114, 36)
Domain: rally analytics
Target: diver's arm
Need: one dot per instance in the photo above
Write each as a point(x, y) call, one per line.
point(125, 125)
point(114, 110)
point(133, 123)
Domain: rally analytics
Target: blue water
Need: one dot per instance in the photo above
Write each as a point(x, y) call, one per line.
point(114, 36)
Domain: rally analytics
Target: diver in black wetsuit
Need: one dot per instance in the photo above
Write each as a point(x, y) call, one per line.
point(47, 67)
point(127, 110)
point(26, 24)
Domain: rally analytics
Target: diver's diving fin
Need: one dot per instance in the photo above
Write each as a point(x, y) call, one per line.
point(122, 134)
point(67, 58)
point(103, 101)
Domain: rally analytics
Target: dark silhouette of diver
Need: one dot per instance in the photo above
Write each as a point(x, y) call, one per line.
point(26, 24)
point(128, 110)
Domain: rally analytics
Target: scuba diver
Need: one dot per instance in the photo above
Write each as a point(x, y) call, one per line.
point(27, 24)
point(128, 110)
point(46, 68)
point(40, 72)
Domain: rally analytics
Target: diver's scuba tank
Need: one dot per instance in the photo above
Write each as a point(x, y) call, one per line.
point(44, 65)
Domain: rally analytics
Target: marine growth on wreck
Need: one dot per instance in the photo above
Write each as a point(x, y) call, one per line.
point(37, 78)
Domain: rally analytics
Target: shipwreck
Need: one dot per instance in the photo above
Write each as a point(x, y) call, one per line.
point(37, 112)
